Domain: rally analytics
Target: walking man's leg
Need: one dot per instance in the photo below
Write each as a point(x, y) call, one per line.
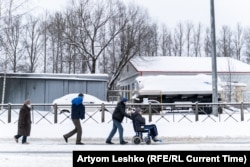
point(112, 133)
point(120, 130)
point(71, 133)
point(78, 126)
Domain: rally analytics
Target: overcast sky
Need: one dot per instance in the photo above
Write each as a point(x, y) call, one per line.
point(171, 12)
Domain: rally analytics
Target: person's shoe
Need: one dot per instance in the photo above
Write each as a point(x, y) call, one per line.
point(109, 142)
point(16, 140)
point(26, 143)
point(155, 139)
point(65, 138)
point(123, 142)
point(80, 143)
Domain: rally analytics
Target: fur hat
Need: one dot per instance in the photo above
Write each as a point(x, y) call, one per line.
point(27, 102)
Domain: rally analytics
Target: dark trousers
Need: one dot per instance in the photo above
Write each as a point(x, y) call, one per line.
point(78, 130)
point(24, 140)
point(152, 128)
point(116, 125)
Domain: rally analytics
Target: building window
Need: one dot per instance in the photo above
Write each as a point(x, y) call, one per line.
point(133, 86)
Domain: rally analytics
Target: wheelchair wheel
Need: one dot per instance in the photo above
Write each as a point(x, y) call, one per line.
point(147, 140)
point(136, 140)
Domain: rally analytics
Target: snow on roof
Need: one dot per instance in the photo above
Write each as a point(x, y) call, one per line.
point(191, 84)
point(188, 64)
point(60, 76)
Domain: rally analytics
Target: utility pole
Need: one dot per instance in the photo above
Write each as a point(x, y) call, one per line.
point(214, 63)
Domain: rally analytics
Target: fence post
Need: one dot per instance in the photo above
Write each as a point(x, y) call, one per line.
point(55, 113)
point(9, 113)
point(241, 111)
point(150, 112)
point(103, 113)
point(196, 112)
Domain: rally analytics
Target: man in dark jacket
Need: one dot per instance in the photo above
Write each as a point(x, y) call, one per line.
point(24, 122)
point(117, 117)
point(77, 113)
point(139, 120)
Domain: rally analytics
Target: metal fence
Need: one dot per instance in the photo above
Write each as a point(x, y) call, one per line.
point(167, 112)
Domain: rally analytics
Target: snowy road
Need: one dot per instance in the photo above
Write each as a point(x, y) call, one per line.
point(59, 146)
point(48, 148)
point(55, 152)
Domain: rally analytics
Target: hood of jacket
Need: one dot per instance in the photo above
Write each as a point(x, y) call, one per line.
point(78, 100)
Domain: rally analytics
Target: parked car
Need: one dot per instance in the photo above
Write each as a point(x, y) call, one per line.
point(91, 103)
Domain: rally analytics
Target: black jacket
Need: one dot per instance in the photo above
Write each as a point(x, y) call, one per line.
point(120, 112)
point(138, 120)
point(77, 108)
point(77, 111)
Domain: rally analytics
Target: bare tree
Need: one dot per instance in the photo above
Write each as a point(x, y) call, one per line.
point(109, 56)
point(207, 43)
point(166, 42)
point(11, 13)
point(12, 45)
point(189, 27)
point(45, 37)
point(130, 41)
point(32, 44)
point(238, 41)
point(247, 44)
point(57, 28)
point(179, 39)
point(151, 43)
point(197, 41)
point(92, 18)
point(225, 42)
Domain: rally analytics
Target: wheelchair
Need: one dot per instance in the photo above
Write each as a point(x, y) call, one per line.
point(138, 138)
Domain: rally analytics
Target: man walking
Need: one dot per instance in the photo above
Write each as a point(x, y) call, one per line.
point(117, 117)
point(77, 113)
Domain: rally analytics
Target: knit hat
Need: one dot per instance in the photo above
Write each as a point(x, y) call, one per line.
point(124, 99)
point(80, 94)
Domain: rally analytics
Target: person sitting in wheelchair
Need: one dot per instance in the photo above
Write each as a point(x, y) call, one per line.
point(140, 125)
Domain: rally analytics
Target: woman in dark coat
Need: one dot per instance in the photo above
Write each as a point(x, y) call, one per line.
point(24, 122)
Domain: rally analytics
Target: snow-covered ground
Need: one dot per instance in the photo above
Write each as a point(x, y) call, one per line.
point(178, 132)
